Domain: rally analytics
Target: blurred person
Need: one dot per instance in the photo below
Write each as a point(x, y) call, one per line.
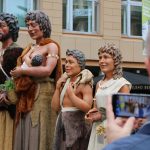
point(38, 68)
point(72, 99)
point(119, 134)
point(112, 82)
point(9, 52)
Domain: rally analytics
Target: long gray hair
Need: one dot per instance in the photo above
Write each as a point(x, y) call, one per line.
point(112, 50)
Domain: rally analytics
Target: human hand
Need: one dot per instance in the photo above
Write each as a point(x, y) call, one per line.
point(117, 128)
point(93, 115)
point(60, 82)
point(4, 98)
point(16, 72)
point(138, 123)
point(70, 90)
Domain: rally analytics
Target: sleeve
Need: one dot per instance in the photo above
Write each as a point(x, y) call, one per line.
point(121, 82)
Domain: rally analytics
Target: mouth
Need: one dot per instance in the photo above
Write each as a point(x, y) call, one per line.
point(103, 66)
point(67, 70)
point(32, 34)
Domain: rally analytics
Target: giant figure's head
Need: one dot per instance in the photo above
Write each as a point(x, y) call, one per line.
point(12, 23)
point(42, 19)
point(115, 53)
point(77, 55)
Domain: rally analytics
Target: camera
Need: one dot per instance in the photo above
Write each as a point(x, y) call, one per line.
point(131, 105)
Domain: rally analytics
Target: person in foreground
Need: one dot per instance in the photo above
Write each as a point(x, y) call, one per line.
point(9, 52)
point(73, 98)
point(37, 69)
point(118, 134)
point(112, 82)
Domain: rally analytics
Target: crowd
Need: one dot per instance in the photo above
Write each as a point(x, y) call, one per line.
point(42, 108)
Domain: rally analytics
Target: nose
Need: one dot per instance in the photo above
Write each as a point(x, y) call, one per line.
point(67, 64)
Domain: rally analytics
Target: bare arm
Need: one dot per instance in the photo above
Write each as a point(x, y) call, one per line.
point(39, 71)
point(125, 89)
point(85, 103)
point(55, 104)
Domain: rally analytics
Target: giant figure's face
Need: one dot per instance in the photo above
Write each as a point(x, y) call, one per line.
point(34, 30)
point(72, 66)
point(106, 63)
point(4, 31)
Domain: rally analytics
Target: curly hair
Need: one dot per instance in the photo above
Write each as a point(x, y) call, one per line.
point(12, 23)
point(112, 50)
point(78, 55)
point(42, 19)
point(9, 61)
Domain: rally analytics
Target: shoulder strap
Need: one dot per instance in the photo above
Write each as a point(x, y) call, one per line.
point(4, 72)
point(63, 92)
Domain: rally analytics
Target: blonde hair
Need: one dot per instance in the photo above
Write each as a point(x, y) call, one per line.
point(112, 50)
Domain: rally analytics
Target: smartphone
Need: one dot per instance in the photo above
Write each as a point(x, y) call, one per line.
point(127, 105)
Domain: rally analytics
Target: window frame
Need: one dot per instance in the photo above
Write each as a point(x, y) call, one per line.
point(69, 16)
point(128, 5)
point(31, 5)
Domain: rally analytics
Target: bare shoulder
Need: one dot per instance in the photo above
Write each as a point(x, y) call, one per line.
point(124, 89)
point(52, 48)
point(84, 87)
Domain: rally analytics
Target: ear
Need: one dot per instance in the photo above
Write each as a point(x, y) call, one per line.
point(147, 63)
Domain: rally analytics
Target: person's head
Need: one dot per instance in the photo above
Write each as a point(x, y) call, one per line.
point(147, 60)
point(38, 20)
point(9, 27)
point(110, 60)
point(75, 62)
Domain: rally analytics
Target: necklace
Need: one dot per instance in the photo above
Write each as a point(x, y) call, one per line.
point(105, 85)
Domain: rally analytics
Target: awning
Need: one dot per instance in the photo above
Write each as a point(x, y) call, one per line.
point(140, 83)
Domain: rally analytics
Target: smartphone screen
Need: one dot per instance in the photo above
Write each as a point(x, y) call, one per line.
point(127, 105)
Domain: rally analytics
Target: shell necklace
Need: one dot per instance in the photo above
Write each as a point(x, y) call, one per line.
point(106, 84)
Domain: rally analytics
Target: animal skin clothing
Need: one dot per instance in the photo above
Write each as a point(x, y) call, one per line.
point(33, 131)
point(72, 132)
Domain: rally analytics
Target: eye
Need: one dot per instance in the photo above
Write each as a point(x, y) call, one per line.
point(100, 57)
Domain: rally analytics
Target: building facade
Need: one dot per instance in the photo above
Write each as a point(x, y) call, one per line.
point(87, 25)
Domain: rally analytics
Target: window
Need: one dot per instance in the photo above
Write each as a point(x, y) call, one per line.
point(18, 7)
point(80, 16)
point(131, 17)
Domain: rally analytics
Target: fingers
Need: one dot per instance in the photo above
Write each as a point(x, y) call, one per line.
point(129, 124)
point(109, 110)
point(6, 101)
point(93, 110)
point(60, 82)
